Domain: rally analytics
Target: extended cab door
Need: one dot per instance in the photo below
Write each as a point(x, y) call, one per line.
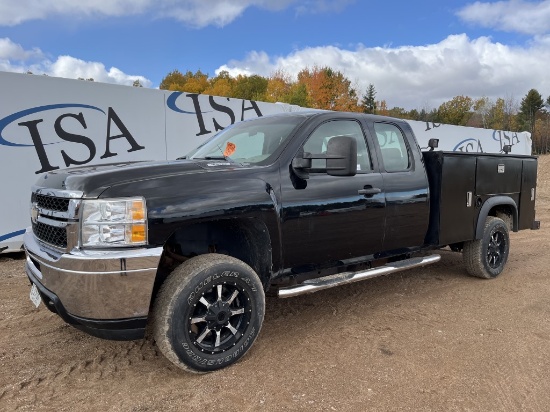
point(406, 185)
point(330, 218)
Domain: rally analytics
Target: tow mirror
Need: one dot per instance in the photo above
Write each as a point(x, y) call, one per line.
point(342, 156)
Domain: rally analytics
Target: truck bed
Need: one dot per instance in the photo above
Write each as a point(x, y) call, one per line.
point(461, 183)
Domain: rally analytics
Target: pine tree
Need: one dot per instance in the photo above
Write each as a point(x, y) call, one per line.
point(368, 103)
point(530, 105)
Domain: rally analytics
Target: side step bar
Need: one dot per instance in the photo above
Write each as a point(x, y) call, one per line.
point(313, 285)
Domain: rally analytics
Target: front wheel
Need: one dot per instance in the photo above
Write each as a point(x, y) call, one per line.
point(486, 257)
point(208, 312)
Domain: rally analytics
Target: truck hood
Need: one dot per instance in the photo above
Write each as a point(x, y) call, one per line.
point(93, 180)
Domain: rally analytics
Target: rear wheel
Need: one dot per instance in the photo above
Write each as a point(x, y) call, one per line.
point(486, 257)
point(208, 312)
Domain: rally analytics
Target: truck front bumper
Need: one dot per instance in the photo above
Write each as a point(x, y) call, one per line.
point(106, 293)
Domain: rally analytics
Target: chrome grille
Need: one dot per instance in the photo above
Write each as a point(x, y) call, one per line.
point(55, 236)
point(59, 204)
point(54, 217)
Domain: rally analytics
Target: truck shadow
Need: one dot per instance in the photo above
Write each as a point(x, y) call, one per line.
point(368, 299)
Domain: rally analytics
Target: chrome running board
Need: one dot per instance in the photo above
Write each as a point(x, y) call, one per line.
point(314, 285)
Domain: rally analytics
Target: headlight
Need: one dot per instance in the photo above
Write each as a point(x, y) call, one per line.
point(114, 222)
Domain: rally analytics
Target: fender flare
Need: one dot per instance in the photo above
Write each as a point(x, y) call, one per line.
point(490, 204)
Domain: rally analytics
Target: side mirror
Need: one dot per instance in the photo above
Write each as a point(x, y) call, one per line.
point(301, 165)
point(342, 156)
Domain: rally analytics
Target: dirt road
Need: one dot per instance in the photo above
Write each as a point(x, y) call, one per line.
point(431, 339)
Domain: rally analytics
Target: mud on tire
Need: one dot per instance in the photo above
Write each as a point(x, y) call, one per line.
point(208, 313)
point(486, 257)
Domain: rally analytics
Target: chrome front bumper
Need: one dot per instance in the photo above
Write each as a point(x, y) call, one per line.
point(95, 284)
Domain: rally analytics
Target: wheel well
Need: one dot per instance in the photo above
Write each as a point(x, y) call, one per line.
point(506, 213)
point(498, 206)
point(245, 239)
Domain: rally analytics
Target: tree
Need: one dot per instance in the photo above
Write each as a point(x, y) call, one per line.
point(398, 112)
point(368, 103)
point(328, 89)
point(196, 82)
point(502, 115)
point(414, 115)
point(541, 133)
point(173, 81)
point(482, 110)
point(250, 87)
point(383, 108)
point(298, 95)
point(456, 111)
point(189, 82)
point(278, 87)
point(497, 115)
point(221, 85)
point(541, 137)
point(137, 83)
point(530, 105)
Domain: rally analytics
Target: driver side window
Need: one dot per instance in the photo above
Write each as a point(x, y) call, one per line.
point(318, 141)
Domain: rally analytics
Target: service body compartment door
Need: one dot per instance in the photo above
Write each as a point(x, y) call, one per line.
point(498, 175)
point(457, 205)
point(527, 197)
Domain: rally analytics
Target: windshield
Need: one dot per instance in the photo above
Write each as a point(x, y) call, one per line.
point(251, 142)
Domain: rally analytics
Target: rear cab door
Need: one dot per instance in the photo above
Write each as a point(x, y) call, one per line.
point(405, 183)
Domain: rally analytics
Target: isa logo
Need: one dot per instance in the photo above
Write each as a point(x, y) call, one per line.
point(66, 134)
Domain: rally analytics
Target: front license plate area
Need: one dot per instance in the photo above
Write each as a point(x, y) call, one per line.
point(35, 296)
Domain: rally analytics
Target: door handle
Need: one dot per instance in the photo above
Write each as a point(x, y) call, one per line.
point(369, 191)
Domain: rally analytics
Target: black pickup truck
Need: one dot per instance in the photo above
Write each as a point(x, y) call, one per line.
point(285, 204)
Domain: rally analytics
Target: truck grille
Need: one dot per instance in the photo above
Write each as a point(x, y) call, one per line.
point(55, 217)
point(55, 236)
point(51, 203)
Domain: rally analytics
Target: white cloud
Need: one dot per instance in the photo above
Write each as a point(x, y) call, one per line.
point(13, 12)
point(412, 76)
point(520, 16)
point(11, 50)
point(14, 58)
point(321, 6)
point(194, 13)
point(70, 67)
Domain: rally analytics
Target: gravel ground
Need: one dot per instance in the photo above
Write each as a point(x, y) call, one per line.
point(431, 339)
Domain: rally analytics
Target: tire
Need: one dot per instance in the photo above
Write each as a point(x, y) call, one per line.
point(486, 257)
point(208, 313)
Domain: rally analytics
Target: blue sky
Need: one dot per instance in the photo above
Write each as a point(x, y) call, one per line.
point(417, 54)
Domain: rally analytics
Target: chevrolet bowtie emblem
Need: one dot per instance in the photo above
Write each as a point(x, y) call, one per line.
point(34, 213)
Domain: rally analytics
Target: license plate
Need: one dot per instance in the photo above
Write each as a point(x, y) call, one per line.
point(35, 296)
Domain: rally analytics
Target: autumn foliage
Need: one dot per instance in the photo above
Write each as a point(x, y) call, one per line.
point(329, 89)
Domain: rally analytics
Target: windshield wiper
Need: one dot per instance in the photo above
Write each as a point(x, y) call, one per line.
point(225, 158)
point(217, 158)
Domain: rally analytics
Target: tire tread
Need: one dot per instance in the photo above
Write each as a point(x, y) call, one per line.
point(472, 253)
point(167, 296)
